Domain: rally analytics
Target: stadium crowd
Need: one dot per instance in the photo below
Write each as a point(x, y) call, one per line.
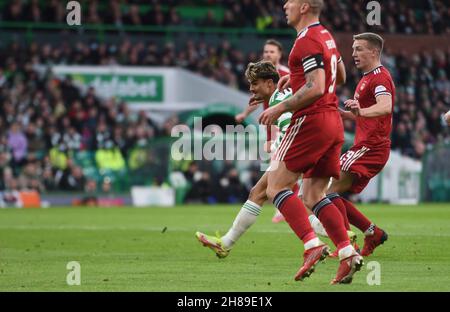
point(411, 16)
point(75, 122)
point(45, 121)
point(423, 84)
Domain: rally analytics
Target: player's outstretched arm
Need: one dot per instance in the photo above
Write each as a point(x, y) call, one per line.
point(252, 106)
point(248, 110)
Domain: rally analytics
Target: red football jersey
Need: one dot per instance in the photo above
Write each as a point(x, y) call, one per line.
point(374, 131)
point(283, 70)
point(315, 48)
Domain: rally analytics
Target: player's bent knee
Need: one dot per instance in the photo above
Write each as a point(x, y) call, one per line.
point(344, 184)
point(272, 193)
point(308, 201)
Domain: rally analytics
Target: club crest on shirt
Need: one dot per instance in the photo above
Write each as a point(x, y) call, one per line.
point(362, 86)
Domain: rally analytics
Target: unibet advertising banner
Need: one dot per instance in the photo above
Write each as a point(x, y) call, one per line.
point(131, 88)
point(154, 88)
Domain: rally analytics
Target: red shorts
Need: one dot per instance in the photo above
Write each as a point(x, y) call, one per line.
point(364, 163)
point(312, 145)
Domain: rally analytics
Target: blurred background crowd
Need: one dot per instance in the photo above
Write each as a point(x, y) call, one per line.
point(46, 121)
point(400, 16)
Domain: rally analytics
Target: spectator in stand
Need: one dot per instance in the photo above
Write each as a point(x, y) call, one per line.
point(109, 157)
point(232, 187)
point(46, 117)
point(30, 177)
point(447, 118)
point(408, 17)
point(209, 20)
point(73, 179)
point(18, 143)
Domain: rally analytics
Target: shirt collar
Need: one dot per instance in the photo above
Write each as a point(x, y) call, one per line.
point(365, 74)
point(308, 27)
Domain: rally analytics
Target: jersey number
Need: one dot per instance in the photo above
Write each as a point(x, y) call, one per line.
point(333, 73)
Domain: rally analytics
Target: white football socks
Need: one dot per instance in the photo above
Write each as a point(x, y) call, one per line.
point(315, 242)
point(346, 252)
point(244, 220)
point(317, 225)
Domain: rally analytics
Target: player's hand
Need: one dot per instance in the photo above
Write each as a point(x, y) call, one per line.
point(284, 82)
point(255, 101)
point(349, 102)
point(240, 117)
point(270, 115)
point(354, 107)
point(447, 118)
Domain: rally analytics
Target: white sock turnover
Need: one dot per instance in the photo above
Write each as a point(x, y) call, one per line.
point(317, 226)
point(244, 220)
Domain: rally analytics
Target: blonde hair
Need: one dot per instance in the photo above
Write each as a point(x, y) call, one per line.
point(316, 6)
point(376, 41)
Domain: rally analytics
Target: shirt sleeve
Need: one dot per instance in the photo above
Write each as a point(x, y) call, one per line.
point(311, 54)
point(381, 85)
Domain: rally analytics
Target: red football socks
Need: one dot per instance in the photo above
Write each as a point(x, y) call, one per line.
point(355, 217)
point(336, 199)
point(293, 210)
point(333, 222)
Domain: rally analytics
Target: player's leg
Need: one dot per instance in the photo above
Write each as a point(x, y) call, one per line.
point(279, 191)
point(356, 175)
point(320, 230)
point(330, 216)
point(314, 195)
point(316, 183)
point(248, 214)
point(343, 185)
point(373, 235)
point(315, 223)
point(340, 186)
point(244, 220)
point(278, 217)
point(333, 194)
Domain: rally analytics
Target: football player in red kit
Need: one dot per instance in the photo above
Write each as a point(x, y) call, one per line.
point(371, 109)
point(312, 144)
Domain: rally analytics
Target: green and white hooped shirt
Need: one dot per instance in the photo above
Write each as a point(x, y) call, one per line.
point(284, 120)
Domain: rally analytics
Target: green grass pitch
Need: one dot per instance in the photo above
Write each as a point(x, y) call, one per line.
point(154, 249)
